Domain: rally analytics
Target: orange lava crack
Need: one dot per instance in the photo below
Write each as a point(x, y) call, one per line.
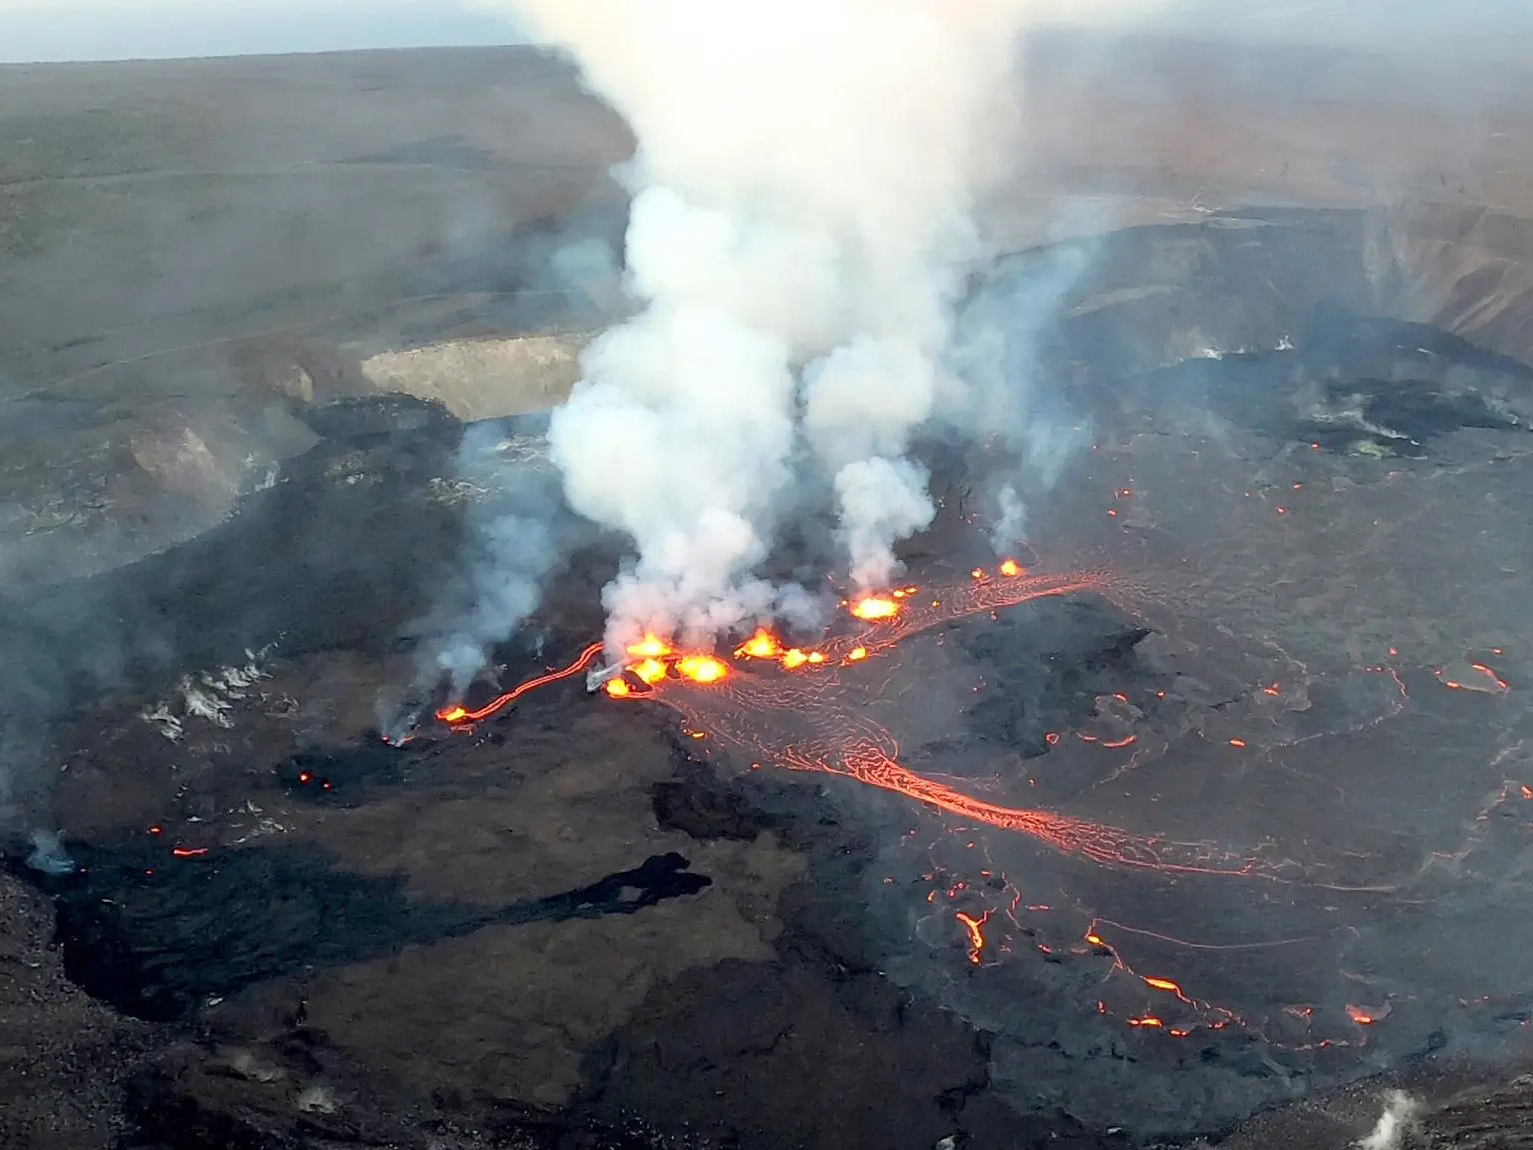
point(457, 715)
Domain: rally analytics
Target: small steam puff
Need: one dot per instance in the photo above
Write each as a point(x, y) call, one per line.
point(881, 500)
point(48, 854)
point(800, 232)
point(1394, 1125)
point(1010, 521)
point(995, 348)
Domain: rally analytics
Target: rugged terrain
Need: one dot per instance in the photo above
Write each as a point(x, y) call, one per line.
point(570, 928)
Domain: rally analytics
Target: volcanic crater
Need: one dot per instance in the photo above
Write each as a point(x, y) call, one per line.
point(1214, 797)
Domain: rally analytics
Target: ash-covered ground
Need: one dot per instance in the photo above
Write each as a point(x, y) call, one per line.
point(1294, 703)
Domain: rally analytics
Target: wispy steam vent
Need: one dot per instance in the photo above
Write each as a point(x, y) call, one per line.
point(1395, 1124)
point(513, 543)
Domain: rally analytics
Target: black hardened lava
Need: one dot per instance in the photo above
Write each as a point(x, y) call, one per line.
point(1396, 388)
point(1056, 658)
point(155, 940)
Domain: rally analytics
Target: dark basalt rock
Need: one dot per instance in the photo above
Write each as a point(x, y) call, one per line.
point(364, 417)
point(1054, 659)
point(1396, 385)
point(156, 937)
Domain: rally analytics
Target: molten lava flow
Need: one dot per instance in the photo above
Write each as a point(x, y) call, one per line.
point(702, 668)
point(970, 597)
point(868, 759)
point(650, 647)
point(875, 608)
point(762, 645)
point(649, 671)
point(457, 715)
point(972, 927)
point(765, 645)
point(800, 724)
point(767, 716)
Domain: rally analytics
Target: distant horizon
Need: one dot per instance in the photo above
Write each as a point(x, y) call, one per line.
point(212, 57)
point(103, 31)
point(81, 32)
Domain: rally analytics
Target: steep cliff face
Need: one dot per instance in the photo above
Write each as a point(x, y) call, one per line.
point(1466, 270)
point(1263, 279)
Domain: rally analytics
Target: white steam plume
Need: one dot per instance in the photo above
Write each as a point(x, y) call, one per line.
point(514, 539)
point(1394, 1124)
point(800, 228)
point(996, 349)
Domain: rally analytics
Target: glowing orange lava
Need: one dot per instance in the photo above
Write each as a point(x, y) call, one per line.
point(876, 607)
point(457, 715)
point(1010, 569)
point(650, 647)
point(762, 645)
point(702, 668)
point(972, 927)
point(649, 671)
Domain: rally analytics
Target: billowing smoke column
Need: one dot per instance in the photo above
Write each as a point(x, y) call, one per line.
point(800, 229)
